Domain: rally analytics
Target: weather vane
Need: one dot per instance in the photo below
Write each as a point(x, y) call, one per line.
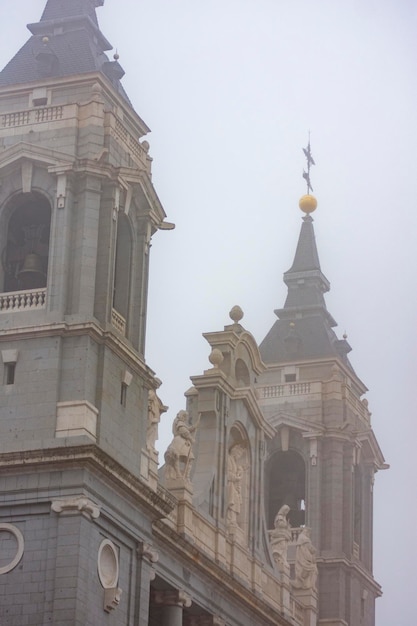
point(310, 162)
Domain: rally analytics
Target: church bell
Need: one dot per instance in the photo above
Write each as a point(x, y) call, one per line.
point(31, 276)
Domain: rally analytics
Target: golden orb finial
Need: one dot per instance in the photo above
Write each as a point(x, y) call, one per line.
point(308, 203)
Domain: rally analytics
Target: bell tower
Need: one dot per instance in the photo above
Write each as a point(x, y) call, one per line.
point(78, 210)
point(322, 460)
point(77, 213)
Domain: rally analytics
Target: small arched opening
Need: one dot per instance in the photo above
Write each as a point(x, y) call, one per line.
point(25, 255)
point(285, 484)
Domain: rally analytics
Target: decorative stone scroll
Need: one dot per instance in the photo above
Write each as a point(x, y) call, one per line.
point(76, 504)
point(13, 530)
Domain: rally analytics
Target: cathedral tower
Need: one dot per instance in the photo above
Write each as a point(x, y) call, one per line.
point(77, 213)
point(322, 461)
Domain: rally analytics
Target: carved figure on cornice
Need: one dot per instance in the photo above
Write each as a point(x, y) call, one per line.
point(236, 469)
point(179, 454)
point(305, 562)
point(280, 537)
point(155, 408)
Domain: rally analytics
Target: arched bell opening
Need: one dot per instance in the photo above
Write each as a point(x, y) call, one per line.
point(25, 255)
point(285, 484)
point(122, 268)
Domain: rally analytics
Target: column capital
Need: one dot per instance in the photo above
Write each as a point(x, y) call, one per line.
point(171, 597)
point(203, 620)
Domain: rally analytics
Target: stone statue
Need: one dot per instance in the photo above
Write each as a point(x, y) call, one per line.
point(154, 415)
point(179, 454)
point(280, 537)
point(235, 472)
point(305, 562)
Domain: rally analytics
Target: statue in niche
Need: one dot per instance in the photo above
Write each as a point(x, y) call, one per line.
point(280, 537)
point(235, 473)
point(305, 562)
point(155, 408)
point(179, 454)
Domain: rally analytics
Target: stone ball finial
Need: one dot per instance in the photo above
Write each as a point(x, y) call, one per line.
point(236, 314)
point(145, 145)
point(216, 357)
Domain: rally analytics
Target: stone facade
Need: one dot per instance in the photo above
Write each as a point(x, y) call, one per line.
point(92, 531)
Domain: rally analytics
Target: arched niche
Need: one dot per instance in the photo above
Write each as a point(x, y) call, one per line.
point(238, 479)
point(242, 373)
point(285, 484)
point(25, 247)
point(122, 266)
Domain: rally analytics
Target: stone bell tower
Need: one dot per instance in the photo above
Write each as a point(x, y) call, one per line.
point(322, 460)
point(77, 212)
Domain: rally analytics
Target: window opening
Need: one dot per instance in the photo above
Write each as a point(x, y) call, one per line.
point(123, 394)
point(25, 255)
point(290, 378)
point(286, 476)
point(9, 373)
point(121, 286)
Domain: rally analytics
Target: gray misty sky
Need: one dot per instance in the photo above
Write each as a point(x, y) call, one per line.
point(230, 89)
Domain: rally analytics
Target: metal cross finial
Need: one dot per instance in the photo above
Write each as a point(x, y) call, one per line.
point(310, 162)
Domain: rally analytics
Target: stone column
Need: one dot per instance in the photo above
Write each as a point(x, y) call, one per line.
point(173, 602)
point(147, 556)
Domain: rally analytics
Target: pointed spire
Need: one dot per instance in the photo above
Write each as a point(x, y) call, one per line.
point(304, 329)
point(306, 255)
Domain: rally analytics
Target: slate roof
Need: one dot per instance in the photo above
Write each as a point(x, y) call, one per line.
point(58, 9)
point(304, 329)
point(75, 45)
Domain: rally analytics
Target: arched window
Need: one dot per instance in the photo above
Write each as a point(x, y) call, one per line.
point(285, 484)
point(26, 251)
point(122, 269)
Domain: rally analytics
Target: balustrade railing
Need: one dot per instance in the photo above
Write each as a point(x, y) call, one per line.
point(293, 389)
point(118, 321)
point(22, 300)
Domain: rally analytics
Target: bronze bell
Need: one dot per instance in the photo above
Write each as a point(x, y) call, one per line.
point(31, 276)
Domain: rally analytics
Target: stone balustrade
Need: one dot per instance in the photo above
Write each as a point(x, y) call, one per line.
point(22, 300)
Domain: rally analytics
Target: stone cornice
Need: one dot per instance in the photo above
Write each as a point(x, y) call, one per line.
point(159, 503)
point(352, 566)
point(186, 551)
point(93, 330)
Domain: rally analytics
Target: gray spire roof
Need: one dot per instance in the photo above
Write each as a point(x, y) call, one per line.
point(59, 9)
point(304, 329)
point(66, 41)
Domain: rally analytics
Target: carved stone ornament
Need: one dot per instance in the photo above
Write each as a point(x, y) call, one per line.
point(148, 552)
point(179, 455)
point(112, 599)
point(9, 528)
point(77, 504)
point(305, 562)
